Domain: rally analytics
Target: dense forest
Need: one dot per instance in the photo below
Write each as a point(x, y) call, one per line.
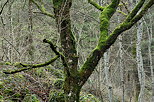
point(76, 51)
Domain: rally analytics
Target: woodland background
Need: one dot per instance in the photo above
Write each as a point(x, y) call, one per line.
point(23, 27)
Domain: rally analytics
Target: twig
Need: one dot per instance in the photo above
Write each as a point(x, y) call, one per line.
point(12, 45)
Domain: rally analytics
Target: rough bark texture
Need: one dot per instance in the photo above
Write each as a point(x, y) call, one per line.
point(62, 15)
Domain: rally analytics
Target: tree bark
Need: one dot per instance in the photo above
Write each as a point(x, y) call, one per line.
point(62, 15)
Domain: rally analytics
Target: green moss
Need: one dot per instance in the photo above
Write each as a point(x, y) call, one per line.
point(17, 64)
point(8, 63)
point(19, 76)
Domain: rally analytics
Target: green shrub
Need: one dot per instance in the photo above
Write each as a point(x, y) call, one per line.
point(56, 96)
point(31, 98)
point(58, 84)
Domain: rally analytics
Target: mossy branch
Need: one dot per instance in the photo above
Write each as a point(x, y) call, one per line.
point(96, 5)
point(43, 10)
point(123, 13)
point(31, 66)
point(143, 11)
point(105, 42)
point(135, 10)
point(93, 59)
point(53, 47)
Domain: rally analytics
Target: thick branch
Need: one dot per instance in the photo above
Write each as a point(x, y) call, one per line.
point(30, 66)
point(96, 5)
point(93, 59)
point(143, 11)
point(43, 10)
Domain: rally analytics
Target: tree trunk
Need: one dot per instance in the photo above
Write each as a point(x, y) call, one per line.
point(62, 16)
point(141, 73)
point(149, 31)
point(107, 76)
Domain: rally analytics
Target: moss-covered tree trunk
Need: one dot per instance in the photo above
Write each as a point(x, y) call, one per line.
point(62, 16)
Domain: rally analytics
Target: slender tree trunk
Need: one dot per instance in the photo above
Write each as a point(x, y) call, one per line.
point(30, 33)
point(149, 31)
point(121, 65)
point(150, 56)
point(121, 69)
point(10, 52)
point(141, 73)
point(108, 82)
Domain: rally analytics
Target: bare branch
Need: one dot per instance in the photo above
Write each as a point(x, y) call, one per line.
point(3, 6)
point(125, 6)
point(12, 45)
point(42, 9)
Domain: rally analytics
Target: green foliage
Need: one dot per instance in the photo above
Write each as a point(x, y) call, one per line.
point(13, 88)
point(1, 99)
point(17, 64)
point(8, 91)
point(57, 3)
point(17, 95)
point(7, 63)
point(58, 84)
point(56, 72)
point(40, 72)
point(88, 98)
point(31, 98)
point(56, 96)
point(1, 85)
